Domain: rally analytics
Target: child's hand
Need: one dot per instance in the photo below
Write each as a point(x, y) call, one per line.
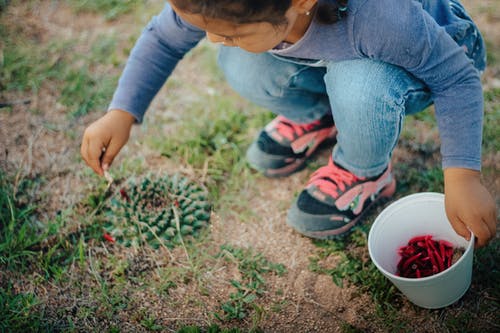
point(104, 138)
point(469, 205)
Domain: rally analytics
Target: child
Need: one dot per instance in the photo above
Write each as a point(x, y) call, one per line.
point(344, 70)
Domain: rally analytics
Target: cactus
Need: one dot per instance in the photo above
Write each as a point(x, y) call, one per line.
point(157, 210)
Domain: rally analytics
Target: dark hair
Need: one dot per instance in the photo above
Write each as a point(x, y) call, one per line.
point(331, 11)
point(251, 11)
point(238, 11)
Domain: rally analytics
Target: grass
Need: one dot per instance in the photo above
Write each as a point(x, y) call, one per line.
point(26, 70)
point(354, 267)
point(18, 312)
point(111, 9)
point(252, 284)
point(491, 130)
point(18, 233)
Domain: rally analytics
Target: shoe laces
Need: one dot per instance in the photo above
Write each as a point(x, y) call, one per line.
point(291, 130)
point(331, 178)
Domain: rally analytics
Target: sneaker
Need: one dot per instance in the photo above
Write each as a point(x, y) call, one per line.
point(334, 200)
point(283, 146)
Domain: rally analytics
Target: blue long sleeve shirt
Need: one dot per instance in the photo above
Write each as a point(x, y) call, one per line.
point(415, 35)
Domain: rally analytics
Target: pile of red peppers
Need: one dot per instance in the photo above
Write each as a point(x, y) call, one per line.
point(424, 256)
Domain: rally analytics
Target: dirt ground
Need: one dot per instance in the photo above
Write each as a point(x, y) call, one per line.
point(44, 144)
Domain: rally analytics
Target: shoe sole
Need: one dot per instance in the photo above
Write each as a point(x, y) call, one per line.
point(272, 167)
point(296, 215)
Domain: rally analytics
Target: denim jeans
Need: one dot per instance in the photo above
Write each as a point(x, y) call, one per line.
point(369, 99)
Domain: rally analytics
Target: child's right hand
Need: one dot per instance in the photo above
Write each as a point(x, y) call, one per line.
point(104, 138)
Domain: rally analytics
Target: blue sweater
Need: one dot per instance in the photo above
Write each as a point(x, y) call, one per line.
point(415, 35)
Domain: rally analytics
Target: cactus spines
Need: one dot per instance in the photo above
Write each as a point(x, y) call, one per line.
point(157, 211)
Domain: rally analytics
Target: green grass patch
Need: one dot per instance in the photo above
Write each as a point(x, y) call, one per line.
point(486, 268)
point(252, 284)
point(215, 141)
point(81, 86)
point(211, 329)
point(483, 295)
point(18, 228)
point(28, 243)
point(491, 129)
point(84, 92)
point(19, 313)
point(414, 179)
point(111, 9)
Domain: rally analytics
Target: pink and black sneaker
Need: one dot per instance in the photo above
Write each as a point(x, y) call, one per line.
point(283, 146)
point(334, 200)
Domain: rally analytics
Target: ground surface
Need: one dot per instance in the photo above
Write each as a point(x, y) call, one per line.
point(108, 288)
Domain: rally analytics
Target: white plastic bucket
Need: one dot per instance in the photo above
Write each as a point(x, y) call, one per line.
point(416, 215)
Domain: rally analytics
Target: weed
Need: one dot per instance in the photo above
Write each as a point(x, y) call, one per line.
point(18, 233)
point(348, 328)
point(252, 284)
point(150, 324)
point(211, 329)
point(18, 312)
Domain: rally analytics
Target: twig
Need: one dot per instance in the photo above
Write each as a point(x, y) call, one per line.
point(178, 227)
point(142, 224)
point(15, 102)
point(51, 240)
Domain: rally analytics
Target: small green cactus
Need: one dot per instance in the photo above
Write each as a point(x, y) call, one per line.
point(157, 210)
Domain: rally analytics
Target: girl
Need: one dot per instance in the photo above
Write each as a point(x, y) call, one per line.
point(344, 70)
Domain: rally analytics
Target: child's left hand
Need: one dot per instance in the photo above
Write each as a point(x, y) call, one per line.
point(469, 205)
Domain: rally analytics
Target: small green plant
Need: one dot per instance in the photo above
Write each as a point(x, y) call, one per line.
point(17, 232)
point(252, 285)
point(157, 211)
point(355, 267)
point(18, 312)
point(211, 329)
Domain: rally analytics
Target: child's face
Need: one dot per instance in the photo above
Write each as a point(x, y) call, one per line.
point(252, 37)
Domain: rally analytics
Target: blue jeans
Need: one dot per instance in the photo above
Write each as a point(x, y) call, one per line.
point(368, 99)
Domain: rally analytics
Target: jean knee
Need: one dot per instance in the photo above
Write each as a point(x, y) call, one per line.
point(365, 86)
point(253, 76)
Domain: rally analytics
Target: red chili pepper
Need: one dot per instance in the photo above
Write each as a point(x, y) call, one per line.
point(439, 259)
point(124, 194)
point(441, 250)
point(410, 260)
point(416, 239)
point(108, 237)
point(424, 256)
point(446, 244)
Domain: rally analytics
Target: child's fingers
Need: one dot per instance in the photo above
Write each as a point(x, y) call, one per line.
point(482, 233)
point(93, 156)
point(109, 154)
point(492, 222)
point(460, 228)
